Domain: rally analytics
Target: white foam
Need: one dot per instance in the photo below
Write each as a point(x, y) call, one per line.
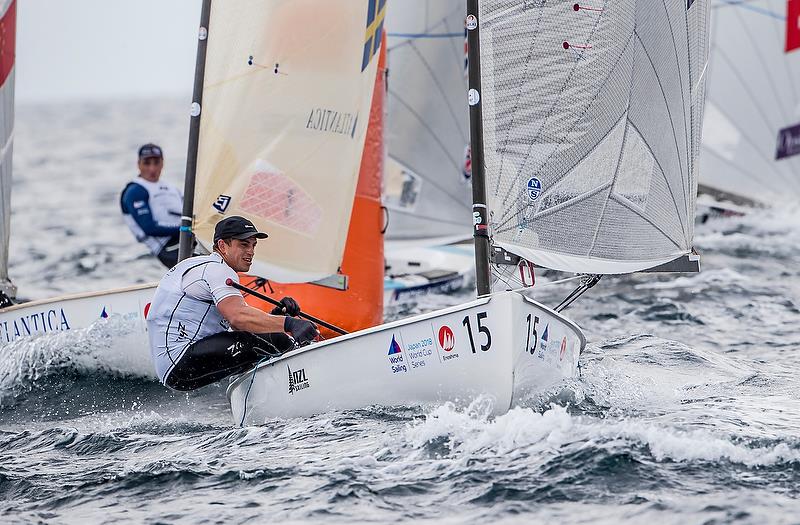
point(470, 434)
point(110, 345)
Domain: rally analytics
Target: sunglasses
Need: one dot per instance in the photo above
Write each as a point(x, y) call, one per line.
point(152, 160)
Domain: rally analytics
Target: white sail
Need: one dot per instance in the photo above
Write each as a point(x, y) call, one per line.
point(751, 135)
point(592, 116)
point(426, 184)
point(286, 101)
point(8, 16)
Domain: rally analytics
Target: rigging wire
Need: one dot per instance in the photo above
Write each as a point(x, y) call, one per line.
point(587, 282)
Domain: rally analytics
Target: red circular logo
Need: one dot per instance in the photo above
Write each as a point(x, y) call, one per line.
point(446, 338)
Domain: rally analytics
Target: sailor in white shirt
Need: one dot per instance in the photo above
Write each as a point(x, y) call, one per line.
point(201, 330)
point(152, 207)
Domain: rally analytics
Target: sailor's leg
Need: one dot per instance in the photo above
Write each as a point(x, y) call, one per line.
point(169, 255)
point(214, 358)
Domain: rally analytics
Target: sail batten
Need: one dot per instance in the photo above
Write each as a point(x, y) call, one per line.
point(591, 130)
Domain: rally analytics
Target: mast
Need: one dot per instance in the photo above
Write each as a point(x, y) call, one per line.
point(480, 215)
point(186, 239)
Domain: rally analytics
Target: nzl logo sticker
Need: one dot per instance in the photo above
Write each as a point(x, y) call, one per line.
point(222, 202)
point(297, 380)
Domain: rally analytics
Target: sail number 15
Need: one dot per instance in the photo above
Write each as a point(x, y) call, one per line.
point(479, 318)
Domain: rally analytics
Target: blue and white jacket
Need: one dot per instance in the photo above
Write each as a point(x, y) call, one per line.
point(152, 211)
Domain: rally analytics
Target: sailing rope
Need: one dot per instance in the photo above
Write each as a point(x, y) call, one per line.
point(247, 394)
point(540, 285)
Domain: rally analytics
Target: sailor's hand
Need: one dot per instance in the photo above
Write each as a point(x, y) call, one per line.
point(302, 331)
point(288, 306)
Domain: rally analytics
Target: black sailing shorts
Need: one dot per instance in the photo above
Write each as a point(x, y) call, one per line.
point(218, 356)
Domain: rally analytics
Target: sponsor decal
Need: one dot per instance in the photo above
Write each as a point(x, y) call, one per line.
point(533, 188)
point(138, 204)
point(418, 352)
point(44, 321)
point(221, 204)
point(182, 333)
point(544, 340)
point(447, 340)
point(396, 360)
point(788, 141)
point(104, 314)
point(332, 121)
point(297, 380)
point(376, 13)
point(563, 350)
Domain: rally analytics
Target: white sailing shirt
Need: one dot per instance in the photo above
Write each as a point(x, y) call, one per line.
point(184, 308)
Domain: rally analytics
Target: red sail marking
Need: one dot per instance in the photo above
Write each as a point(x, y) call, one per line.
point(8, 41)
point(792, 25)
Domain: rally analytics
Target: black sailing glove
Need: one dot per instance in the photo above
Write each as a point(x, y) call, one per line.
point(302, 331)
point(288, 306)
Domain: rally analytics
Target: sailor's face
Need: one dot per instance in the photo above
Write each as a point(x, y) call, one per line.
point(239, 253)
point(150, 168)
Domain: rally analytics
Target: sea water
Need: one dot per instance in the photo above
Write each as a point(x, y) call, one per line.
point(687, 409)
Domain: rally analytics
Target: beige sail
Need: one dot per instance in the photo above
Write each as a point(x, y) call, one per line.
point(286, 100)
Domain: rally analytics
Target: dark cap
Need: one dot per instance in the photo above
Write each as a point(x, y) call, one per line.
point(149, 151)
point(235, 227)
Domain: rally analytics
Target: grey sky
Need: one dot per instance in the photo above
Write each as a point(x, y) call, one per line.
point(84, 49)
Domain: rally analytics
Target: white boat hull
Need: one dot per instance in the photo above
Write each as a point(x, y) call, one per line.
point(502, 348)
point(71, 312)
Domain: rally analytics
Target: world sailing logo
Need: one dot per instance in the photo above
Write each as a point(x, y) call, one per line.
point(396, 361)
point(544, 340)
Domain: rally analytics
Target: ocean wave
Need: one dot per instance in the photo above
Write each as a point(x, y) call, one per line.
point(471, 432)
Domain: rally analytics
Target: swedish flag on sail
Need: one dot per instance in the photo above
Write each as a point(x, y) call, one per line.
point(376, 12)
